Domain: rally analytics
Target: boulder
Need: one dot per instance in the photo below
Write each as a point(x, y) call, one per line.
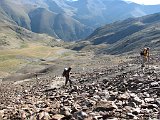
point(149, 100)
point(1, 114)
point(124, 96)
point(105, 106)
point(80, 115)
point(57, 117)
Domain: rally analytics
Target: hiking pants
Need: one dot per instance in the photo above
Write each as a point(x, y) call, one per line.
point(144, 60)
point(67, 79)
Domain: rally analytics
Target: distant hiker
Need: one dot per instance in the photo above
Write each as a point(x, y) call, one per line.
point(144, 56)
point(66, 75)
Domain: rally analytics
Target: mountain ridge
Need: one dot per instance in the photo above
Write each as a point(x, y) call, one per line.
point(89, 13)
point(125, 36)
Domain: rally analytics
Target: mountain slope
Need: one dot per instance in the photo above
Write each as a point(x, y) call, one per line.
point(58, 25)
point(16, 13)
point(69, 28)
point(42, 20)
point(98, 12)
point(125, 36)
point(80, 17)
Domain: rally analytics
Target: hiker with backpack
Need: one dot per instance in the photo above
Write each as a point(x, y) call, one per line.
point(65, 74)
point(144, 56)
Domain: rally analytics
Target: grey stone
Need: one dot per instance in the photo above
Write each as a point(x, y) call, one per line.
point(131, 116)
point(154, 84)
point(149, 100)
point(80, 115)
point(158, 101)
point(1, 114)
point(124, 96)
point(136, 111)
point(105, 106)
point(137, 100)
point(41, 104)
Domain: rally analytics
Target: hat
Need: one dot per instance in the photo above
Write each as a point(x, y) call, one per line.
point(65, 68)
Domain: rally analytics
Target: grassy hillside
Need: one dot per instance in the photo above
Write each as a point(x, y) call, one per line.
point(24, 52)
point(12, 60)
point(19, 47)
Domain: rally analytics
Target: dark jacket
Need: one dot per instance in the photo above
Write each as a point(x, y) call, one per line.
point(66, 72)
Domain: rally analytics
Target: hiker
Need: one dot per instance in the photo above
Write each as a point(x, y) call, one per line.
point(144, 56)
point(66, 75)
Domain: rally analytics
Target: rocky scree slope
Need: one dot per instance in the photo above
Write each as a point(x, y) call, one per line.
point(120, 92)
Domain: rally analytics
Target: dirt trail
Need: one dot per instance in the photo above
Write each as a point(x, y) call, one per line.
point(47, 55)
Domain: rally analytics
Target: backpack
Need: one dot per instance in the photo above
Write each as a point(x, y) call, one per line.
point(142, 53)
point(64, 72)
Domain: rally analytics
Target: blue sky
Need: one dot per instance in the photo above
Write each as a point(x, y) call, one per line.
point(145, 2)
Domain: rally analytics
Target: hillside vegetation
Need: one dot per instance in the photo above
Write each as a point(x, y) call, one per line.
point(20, 47)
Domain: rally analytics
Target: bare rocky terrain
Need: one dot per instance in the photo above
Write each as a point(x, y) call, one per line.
point(103, 92)
point(108, 82)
